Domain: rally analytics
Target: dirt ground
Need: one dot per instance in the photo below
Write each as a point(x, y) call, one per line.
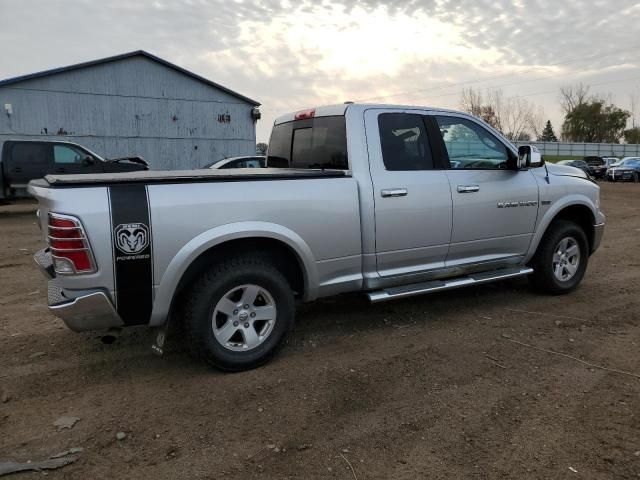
point(432, 387)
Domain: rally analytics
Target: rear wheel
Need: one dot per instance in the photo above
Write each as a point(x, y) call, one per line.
point(561, 259)
point(238, 314)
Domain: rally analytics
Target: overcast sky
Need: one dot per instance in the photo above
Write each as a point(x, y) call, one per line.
point(291, 55)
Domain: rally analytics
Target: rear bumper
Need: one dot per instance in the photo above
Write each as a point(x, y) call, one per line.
point(598, 233)
point(92, 310)
point(45, 263)
point(88, 312)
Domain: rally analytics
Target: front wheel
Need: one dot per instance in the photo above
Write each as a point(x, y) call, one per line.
point(238, 314)
point(561, 259)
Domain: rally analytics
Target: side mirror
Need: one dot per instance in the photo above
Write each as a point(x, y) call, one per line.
point(88, 160)
point(529, 157)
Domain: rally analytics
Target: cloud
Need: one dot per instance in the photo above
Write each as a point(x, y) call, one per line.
point(291, 54)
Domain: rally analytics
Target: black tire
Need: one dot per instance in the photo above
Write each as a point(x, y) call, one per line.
point(209, 289)
point(543, 278)
point(636, 177)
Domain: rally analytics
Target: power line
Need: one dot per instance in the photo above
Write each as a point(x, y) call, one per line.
point(547, 92)
point(493, 77)
point(490, 87)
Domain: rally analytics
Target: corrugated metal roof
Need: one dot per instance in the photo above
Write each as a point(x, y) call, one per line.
point(142, 53)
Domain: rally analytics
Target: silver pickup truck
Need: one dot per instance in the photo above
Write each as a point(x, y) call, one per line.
point(392, 201)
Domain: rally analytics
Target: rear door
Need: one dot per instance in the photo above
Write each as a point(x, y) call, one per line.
point(413, 213)
point(69, 159)
point(494, 207)
point(27, 161)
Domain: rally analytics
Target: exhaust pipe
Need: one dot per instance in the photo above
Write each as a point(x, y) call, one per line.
point(111, 336)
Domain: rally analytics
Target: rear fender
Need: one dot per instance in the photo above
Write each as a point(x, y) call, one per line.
point(165, 290)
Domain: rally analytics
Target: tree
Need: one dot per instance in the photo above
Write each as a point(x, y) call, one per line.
point(472, 102)
point(572, 96)
point(547, 135)
point(511, 116)
point(595, 121)
point(522, 137)
point(632, 135)
point(261, 148)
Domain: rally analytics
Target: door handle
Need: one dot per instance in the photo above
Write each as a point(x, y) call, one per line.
point(468, 188)
point(394, 192)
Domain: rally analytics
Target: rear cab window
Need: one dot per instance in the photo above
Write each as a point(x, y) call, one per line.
point(318, 143)
point(30, 154)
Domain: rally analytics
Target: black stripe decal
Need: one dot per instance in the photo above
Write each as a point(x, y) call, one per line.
point(132, 252)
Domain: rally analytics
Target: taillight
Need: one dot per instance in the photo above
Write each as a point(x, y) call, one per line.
point(304, 114)
point(70, 248)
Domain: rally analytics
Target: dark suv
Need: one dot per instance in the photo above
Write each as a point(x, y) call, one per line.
point(598, 166)
point(25, 160)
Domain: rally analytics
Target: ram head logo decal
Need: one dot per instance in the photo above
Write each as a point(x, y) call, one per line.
point(131, 238)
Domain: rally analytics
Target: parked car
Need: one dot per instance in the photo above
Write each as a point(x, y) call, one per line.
point(255, 161)
point(628, 170)
point(400, 201)
point(610, 161)
point(581, 164)
point(25, 160)
point(598, 166)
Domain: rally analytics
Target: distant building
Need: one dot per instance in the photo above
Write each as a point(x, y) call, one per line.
point(131, 104)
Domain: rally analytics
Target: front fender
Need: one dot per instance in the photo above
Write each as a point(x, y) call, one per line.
point(552, 212)
point(166, 288)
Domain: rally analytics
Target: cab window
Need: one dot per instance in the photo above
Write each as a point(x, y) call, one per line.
point(30, 154)
point(310, 143)
point(470, 145)
point(63, 154)
point(404, 144)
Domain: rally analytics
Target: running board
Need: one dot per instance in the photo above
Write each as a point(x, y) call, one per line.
point(447, 284)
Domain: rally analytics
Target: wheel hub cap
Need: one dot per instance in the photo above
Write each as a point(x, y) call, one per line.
point(244, 317)
point(566, 259)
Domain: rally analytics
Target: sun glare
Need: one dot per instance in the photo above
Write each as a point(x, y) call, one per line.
point(355, 43)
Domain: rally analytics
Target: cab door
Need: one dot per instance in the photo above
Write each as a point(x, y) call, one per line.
point(412, 196)
point(495, 207)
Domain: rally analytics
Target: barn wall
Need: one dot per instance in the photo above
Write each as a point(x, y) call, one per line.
point(133, 106)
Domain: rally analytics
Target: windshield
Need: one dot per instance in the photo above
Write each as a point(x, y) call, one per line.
point(632, 162)
point(211, 164)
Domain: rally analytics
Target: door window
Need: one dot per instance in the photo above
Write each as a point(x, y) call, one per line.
point(469, 145)
point(63, 154)
point(233, 164)
point(403, 139)
point(30, 154)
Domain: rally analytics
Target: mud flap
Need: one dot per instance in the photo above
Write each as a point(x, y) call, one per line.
point(159, 338)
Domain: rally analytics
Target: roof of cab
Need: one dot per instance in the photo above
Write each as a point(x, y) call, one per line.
point(341, 109)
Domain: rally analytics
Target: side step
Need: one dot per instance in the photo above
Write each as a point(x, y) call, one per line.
point(447, 284)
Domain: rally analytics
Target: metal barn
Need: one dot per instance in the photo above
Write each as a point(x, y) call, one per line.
point(131, 104)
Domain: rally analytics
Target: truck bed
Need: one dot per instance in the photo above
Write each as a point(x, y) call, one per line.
point(186, 176)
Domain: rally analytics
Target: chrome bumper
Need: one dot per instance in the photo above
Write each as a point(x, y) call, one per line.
point(598, 233)
point(91, 311)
